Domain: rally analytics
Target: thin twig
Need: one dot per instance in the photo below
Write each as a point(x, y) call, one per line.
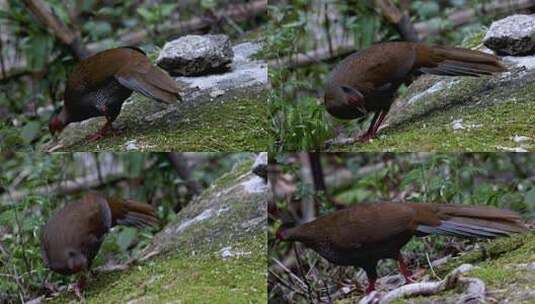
point(288, 271)
point(301, 270)
point(431, 267)
point(327, 291)
point(286, 284)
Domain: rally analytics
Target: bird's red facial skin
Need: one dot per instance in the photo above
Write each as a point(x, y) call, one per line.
point(55, 126)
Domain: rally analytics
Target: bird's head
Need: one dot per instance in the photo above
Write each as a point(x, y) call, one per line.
point(57, 122)
point(344, 102)
point(76, 261)
point(282, 234)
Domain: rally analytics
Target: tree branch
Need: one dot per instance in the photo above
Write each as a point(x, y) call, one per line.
point(401, 21)
point(50, 21)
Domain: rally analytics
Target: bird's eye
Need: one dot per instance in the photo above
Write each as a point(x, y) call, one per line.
point(72, 254)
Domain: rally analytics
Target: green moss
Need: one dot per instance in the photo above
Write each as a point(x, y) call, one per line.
point(497, 265)
point(493, 250)
point(232, 215)
point(231, 125)
point(187, 278)
point(474, 40)
point(224, 180)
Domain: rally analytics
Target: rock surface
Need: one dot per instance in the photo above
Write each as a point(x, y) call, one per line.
point(233, 208)
point(196, 55)
point(514, 35)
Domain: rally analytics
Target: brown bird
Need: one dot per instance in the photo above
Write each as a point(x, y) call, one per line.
point(360, 236)
point(367, 81)
point(99, 85)
point(72, 236)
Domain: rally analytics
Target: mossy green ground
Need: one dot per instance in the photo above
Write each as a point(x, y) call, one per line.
point(499, 264)
point(183, 278)
point(232, 125)
point(499, 122)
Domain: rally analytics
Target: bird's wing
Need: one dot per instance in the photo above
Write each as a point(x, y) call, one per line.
point(147, 79)
point(372, 223)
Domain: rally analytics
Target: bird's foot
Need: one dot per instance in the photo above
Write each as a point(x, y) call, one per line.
point(371, 286)
point(95, 136)
point(105, 131)
point(365, 138)
point(369, 290)
point(409, 278)
point(342, 141)
point(404, 269)
point(78, 289)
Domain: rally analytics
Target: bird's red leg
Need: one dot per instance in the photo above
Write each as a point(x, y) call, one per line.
point(364, 138)
point(102, 132)
point(79, 287)
point(374, 127)
point(371, 285)
point(371, 273)
point(382, 116)
point(404, 269)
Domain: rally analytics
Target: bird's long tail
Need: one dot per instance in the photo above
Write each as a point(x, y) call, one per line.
point(453, 61)
point(473, 222)
point(132, 213)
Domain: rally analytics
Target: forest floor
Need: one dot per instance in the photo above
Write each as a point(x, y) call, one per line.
point(185, 278)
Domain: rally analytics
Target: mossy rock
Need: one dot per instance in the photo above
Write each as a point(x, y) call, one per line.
point(491, 111)
point(236, 123)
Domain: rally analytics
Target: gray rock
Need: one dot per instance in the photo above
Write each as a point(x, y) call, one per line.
point(218, 216)
point(245, 73)
point(131, 145)
point(196, 55)
point(514, 35)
